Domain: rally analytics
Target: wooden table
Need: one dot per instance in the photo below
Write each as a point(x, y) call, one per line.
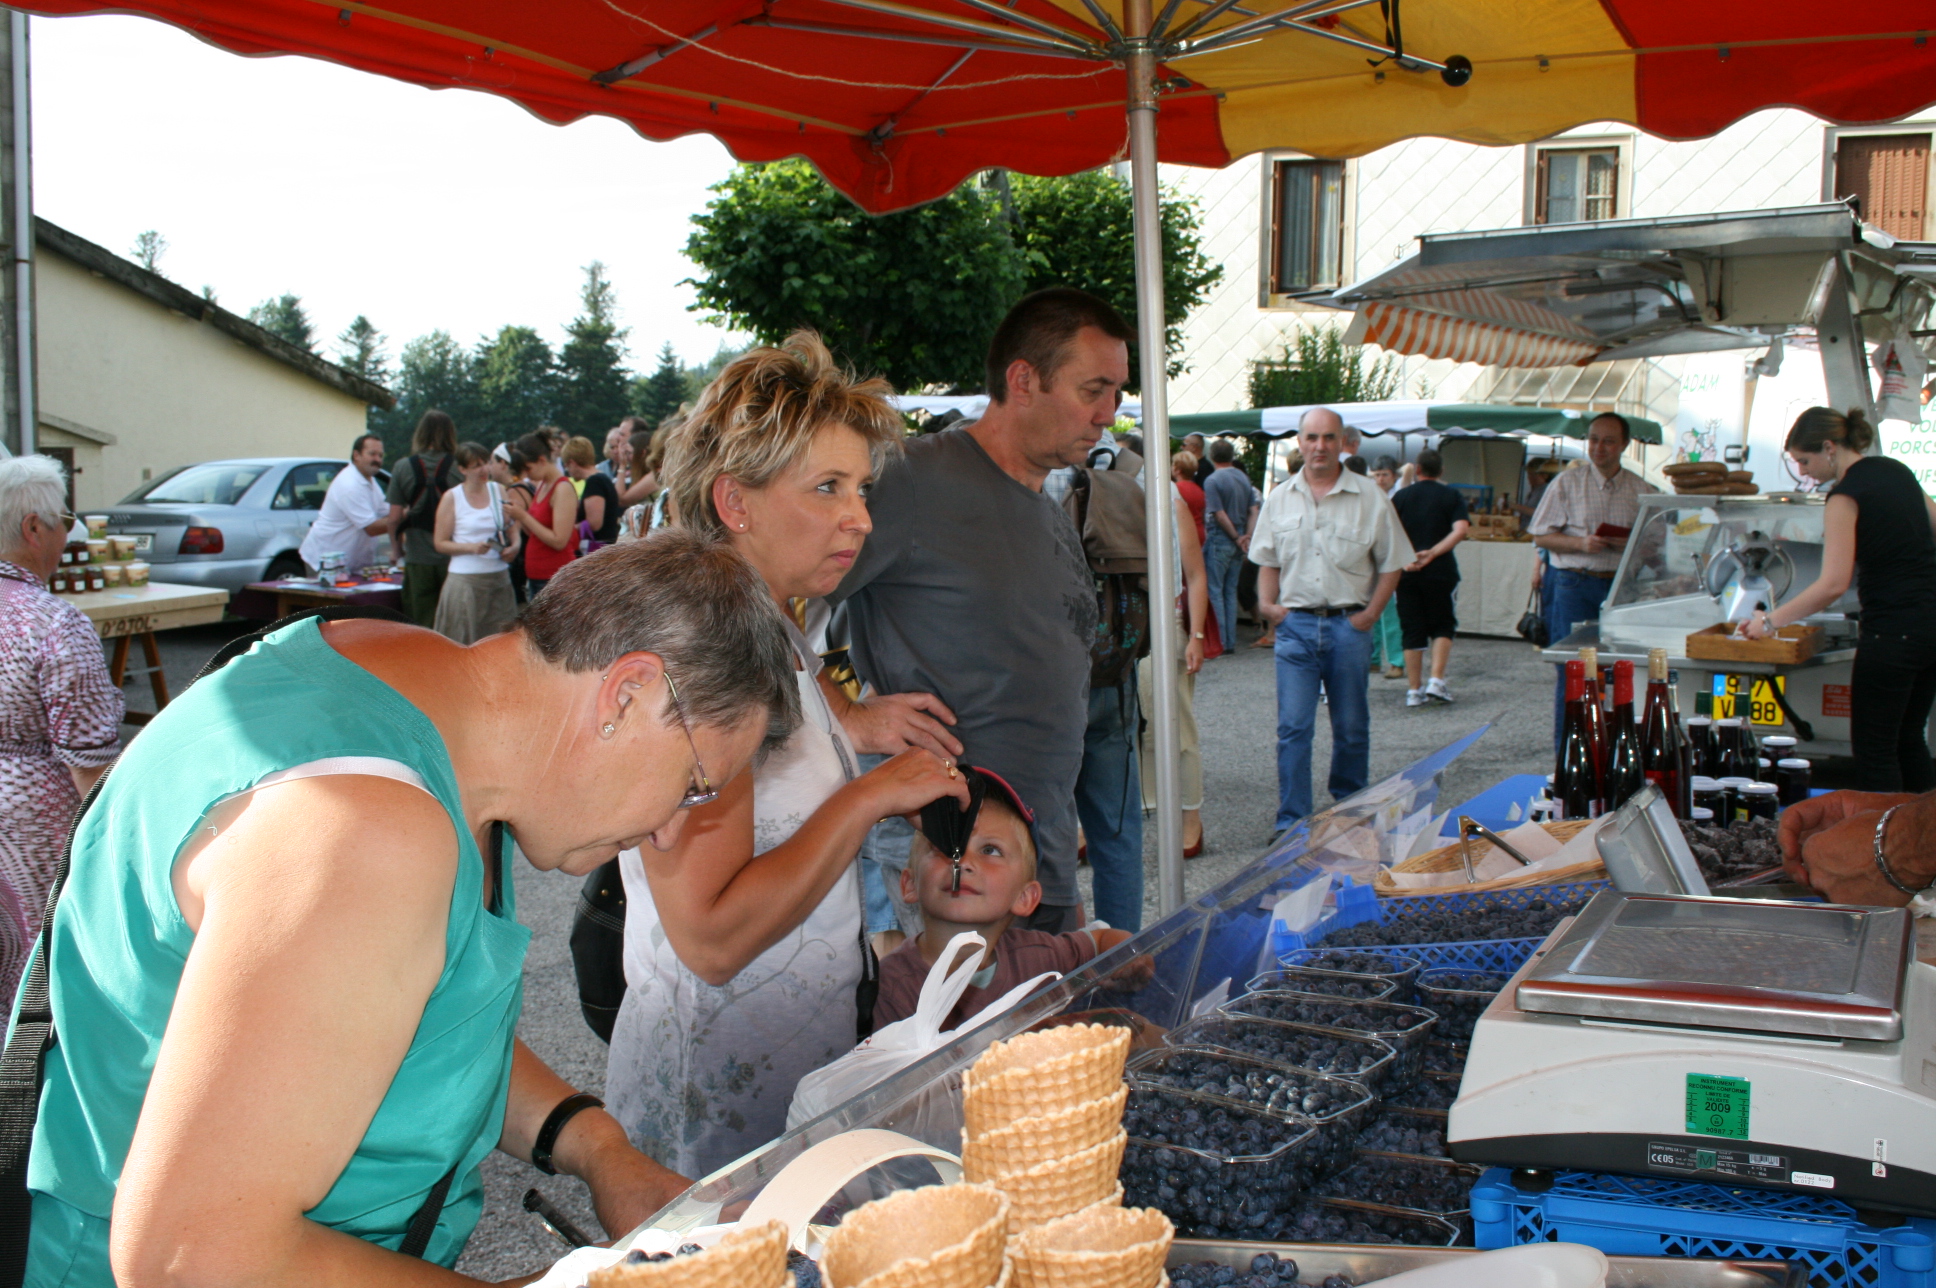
point(124, 613)
point(294, 596)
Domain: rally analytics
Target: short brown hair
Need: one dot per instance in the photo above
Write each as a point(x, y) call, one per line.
point(469, 454)
point(761, 416)
point(580, 452)
point(692, 600)
point(1039, 329)
point(1817, 427)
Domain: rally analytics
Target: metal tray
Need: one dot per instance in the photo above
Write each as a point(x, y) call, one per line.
point(1363, 1264)
point(1644, 850)
point(1764, 966)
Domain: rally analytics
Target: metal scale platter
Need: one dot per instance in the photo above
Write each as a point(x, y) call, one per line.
point(1775, 1044)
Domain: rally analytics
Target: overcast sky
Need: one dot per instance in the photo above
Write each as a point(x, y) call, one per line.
point(420, 208)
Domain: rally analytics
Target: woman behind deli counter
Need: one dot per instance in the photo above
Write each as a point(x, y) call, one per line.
point(1879, 530)
point(286, 969)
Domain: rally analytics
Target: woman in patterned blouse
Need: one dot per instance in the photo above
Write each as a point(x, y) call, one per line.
point(60, 714)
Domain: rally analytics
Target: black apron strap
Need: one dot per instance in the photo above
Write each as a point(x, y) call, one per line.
point(424, 1224)
point(33, 1036)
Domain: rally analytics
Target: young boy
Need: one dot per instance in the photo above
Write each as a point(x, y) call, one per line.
point(997, 886)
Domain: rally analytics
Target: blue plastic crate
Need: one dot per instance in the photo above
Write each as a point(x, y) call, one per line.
point(1352, 904)
point(1654, 1216)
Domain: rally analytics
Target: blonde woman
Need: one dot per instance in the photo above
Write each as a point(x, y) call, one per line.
point(476, 528)
point(743, 942)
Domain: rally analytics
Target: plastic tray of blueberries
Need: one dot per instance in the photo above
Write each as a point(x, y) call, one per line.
point(1311, 1048)
point(1214, 1165)
point(1444, 1057)
point(1404, 1027)
point(1458, 997)
point(1415, 1183)
point(1338, 1108)
point(1397, 968)
point(1331, 983)
point(1397, 1130)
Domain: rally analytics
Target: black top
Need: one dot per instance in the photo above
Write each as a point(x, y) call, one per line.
point(1428, 509)
point(1205, 468)
point(1895, 556)
point(597, 484)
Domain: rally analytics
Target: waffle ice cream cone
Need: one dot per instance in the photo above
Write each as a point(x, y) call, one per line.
point(939, 1236)
point(1062, 1185)
point(1032, 1141)
point(755, 1256)
point(1097, 1247)
point(1037, 1074)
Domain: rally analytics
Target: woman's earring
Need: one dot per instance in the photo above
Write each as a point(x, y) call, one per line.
point(609, 728)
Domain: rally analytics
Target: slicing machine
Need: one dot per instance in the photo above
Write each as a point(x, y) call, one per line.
point(1744, 1042)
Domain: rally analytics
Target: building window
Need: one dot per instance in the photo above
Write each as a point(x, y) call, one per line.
point(1307, 226)
point(1888, 175)
point(1576, 185)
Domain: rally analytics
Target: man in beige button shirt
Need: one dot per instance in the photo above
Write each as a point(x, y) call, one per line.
point(1328, 550)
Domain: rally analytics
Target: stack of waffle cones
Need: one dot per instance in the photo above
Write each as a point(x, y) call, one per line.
point(940, 1236)
point(1044, 1121)
point(1098, 1247)
point(749, 1258)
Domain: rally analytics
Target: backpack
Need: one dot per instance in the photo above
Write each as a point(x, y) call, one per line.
point(422, 510)
point(1107, 508)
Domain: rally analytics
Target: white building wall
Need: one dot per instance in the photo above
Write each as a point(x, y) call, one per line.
point(1420, 186)
point(167, 389)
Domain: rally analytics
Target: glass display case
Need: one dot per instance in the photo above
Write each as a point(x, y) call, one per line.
point(1184, 966)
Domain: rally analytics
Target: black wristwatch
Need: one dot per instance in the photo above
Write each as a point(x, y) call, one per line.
point(568, 1108)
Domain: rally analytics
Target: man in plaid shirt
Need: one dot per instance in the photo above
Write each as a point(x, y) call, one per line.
point(1571, 526)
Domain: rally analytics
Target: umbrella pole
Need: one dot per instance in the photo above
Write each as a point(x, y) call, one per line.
point(1164, 649)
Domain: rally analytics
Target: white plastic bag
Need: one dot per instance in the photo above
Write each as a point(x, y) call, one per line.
point(898, 1045)
point(1899, 366)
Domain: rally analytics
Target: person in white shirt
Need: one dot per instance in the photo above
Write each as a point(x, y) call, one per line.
point(1328, 549)
point(354, 512)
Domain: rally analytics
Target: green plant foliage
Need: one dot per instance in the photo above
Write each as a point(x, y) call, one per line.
point(914, 296)
point(1317, 366)
point(360, 349)
point(1077, 230)
point(433, 371)
point(594, 388)
point(697, 378)
point(517, 386)
point(659, 395)
point(284, 316)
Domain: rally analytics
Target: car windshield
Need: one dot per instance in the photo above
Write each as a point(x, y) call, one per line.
point(216, 483)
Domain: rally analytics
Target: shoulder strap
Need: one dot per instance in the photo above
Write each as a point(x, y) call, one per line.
point(23, 1062)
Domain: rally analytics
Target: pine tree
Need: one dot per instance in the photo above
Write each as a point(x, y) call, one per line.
point(433, 371)
point(149, 247)
point(284, 317)
point(593, 384)
point(517, 386)
point(360, 349)
point(659, 395)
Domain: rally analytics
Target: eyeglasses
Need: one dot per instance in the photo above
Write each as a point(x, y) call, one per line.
point(704, 793)
point(67, 520)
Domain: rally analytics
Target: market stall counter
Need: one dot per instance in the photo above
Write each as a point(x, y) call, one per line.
point(126, 613)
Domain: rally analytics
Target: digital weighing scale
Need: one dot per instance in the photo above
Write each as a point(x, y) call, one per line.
point(1744, 1042)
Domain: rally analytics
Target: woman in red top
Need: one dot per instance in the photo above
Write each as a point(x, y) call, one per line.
point(551, 519)
point(1183, 471)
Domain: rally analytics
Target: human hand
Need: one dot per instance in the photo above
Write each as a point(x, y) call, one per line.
point(1424, 557)
point(1755, 627)
point(1192, 656)
point(890, 723)
point(1805, 822)
point(1243, 544)
point(1273, 613)
point(480, 548)
point(911, 780)
point(1592, 545)
point(627, 1187)
point(1363, 620)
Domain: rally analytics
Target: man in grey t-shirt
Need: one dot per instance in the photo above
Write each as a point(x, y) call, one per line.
point(973, 585)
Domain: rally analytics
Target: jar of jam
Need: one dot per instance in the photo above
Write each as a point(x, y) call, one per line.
point(1707, 796)
point(1792, 779)
point(1760, 800)
point(58, 582)
point(96, 579)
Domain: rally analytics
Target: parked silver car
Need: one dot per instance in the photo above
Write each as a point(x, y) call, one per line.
point(226, 523)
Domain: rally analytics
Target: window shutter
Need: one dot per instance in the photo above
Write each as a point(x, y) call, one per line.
point(1541, 165)
point(1888, 174)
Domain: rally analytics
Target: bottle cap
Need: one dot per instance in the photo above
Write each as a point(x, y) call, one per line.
point(1700, 814)
point(1731, 722)
point(1735, 781)
point(1700, 720)
point(1793, 762)
point(1702, 783)
point(1576, 681)
point(1780, 742)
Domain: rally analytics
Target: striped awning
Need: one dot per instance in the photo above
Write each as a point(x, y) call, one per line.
point(1474, 326)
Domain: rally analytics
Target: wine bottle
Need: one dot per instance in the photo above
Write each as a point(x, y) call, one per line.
point(1684, 808)
point(1576, 789)
point(1661, 745)
point(1596, 717)
point(1625, 774)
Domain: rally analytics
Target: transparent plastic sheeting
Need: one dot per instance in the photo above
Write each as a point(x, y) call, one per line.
point(1185, 965)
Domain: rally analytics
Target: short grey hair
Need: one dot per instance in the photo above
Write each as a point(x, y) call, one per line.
point(1353, 439)
point(29, 485)
point(692, 600)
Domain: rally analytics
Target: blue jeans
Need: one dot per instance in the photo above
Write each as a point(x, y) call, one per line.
point(883, 855)
point(1574, 599)
point(1224, 564)
point(1109, 801)
point(1329, 650)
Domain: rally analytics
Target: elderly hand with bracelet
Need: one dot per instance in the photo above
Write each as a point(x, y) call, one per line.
point(1872, 848)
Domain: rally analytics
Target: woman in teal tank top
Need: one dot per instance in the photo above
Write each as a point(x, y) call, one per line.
point(285, 969)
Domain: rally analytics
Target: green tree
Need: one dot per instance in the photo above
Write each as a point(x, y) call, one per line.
point(913, 295)
point(594, 388)
point(658, 395)
point(433, 371)
point(517, 386)
point(360, 349)
point(284, 316)
point(1316, 366)
point(697, 378)
point(1077, 230)
point(149, 247)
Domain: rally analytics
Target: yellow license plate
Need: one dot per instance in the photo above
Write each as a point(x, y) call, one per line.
point(1752, 696)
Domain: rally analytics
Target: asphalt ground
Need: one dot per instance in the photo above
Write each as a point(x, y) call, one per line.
point(1492, 680)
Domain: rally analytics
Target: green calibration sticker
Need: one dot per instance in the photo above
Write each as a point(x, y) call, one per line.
point(1717, 1106)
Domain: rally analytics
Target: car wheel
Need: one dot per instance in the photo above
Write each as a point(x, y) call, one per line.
point(285, 565)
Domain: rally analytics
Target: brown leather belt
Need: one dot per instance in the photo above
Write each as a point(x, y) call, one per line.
point(1588, 572)
point(1346, 611)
